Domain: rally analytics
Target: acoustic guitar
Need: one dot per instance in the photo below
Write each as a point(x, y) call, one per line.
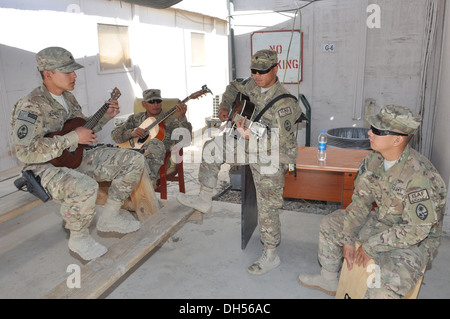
point(73, 159)
point(242, 107)
point(151, 124)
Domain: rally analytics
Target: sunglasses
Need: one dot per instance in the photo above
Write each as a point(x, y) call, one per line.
point(385, 132)
point(263, 72)
point(154, 101)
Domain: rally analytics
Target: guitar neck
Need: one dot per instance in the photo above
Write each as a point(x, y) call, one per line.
point(93, 120)
point(164, 116)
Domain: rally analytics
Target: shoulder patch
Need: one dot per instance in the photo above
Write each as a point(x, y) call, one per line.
point(22, 132)
point(27, 116)
point(285, 111)
point(422, 211)
point(287, 125)
point(418, 196)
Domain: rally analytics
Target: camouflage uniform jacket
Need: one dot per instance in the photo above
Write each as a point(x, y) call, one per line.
point(37, 115)
point(122, 132)
point(282, 115)
point(410, 198)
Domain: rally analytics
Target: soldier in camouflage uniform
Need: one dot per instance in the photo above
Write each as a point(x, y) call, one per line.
point(404, 232)
point(155, 149)
point(44, 111)
point(271, 163)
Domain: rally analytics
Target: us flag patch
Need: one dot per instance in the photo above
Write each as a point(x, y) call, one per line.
point(27, 116)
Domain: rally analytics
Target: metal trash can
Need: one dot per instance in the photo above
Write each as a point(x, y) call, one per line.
point(349, 137)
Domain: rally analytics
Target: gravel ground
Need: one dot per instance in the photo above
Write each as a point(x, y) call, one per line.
point(226, 194)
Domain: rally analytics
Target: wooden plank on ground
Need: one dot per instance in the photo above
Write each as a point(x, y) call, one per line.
point(99, 275)
point(10, 173)
point(7, 184)
point(17, 203)
point(12, 201)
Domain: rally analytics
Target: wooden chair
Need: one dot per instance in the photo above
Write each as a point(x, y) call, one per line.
point(353, 283)
point(171, 170)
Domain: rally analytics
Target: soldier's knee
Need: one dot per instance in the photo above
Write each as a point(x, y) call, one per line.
point(333, 221)
point(90, 187)
point(139, 160)
point(325, 222)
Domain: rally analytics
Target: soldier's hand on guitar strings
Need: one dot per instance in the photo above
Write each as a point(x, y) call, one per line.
point(85, 136)
point(240, 125)
point(139, 132)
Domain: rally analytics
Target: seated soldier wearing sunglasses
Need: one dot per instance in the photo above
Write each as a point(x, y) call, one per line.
point(404, 231)
point(155, 149)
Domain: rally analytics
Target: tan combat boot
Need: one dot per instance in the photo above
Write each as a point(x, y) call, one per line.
point(84, 245)
point(201, 202)
point(111, 221)
point(268, 261)
point(327, 281)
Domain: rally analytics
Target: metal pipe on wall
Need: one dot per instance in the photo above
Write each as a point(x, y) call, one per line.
point(231, 30)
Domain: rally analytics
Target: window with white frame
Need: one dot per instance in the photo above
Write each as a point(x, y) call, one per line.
point(198, 54)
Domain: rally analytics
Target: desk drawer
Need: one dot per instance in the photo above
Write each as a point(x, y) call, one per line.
point(349, 179)
point(346, 198)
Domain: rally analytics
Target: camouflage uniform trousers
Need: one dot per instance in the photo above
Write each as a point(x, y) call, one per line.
point(400, 269)
point(76, 189)
point(154, 153)
point(269, 187)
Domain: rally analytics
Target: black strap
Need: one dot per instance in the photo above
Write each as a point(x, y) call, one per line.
point(279, 97)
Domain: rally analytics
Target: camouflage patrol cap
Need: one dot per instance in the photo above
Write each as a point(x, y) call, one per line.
point(264, 60)
point(152, 94)
point(56, 58)
point(395, 117)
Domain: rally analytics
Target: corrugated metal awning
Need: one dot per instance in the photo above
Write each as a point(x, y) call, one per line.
point(158, 4)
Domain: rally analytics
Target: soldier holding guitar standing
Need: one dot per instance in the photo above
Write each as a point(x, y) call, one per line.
point(155, 145)
point(49, 109)
point(278, 111)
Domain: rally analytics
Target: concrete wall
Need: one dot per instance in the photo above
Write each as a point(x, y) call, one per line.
point(160, 46)
point(389, 64)
point(441, 145)
point(383, 63)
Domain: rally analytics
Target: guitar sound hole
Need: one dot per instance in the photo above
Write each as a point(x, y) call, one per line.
point(142, 140)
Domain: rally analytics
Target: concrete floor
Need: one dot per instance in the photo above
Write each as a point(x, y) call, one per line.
point(200, 261)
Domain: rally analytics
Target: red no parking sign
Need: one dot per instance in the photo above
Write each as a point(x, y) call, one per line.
point(289, 47)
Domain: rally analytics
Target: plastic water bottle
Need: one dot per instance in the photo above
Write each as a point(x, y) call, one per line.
point(322, 148)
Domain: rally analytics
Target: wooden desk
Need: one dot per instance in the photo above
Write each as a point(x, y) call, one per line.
point(330, 181)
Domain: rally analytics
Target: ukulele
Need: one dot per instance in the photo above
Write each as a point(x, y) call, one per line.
point(151, 124)
point(73, 159)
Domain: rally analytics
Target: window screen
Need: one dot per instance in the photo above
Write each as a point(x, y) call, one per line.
point(114, 50)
